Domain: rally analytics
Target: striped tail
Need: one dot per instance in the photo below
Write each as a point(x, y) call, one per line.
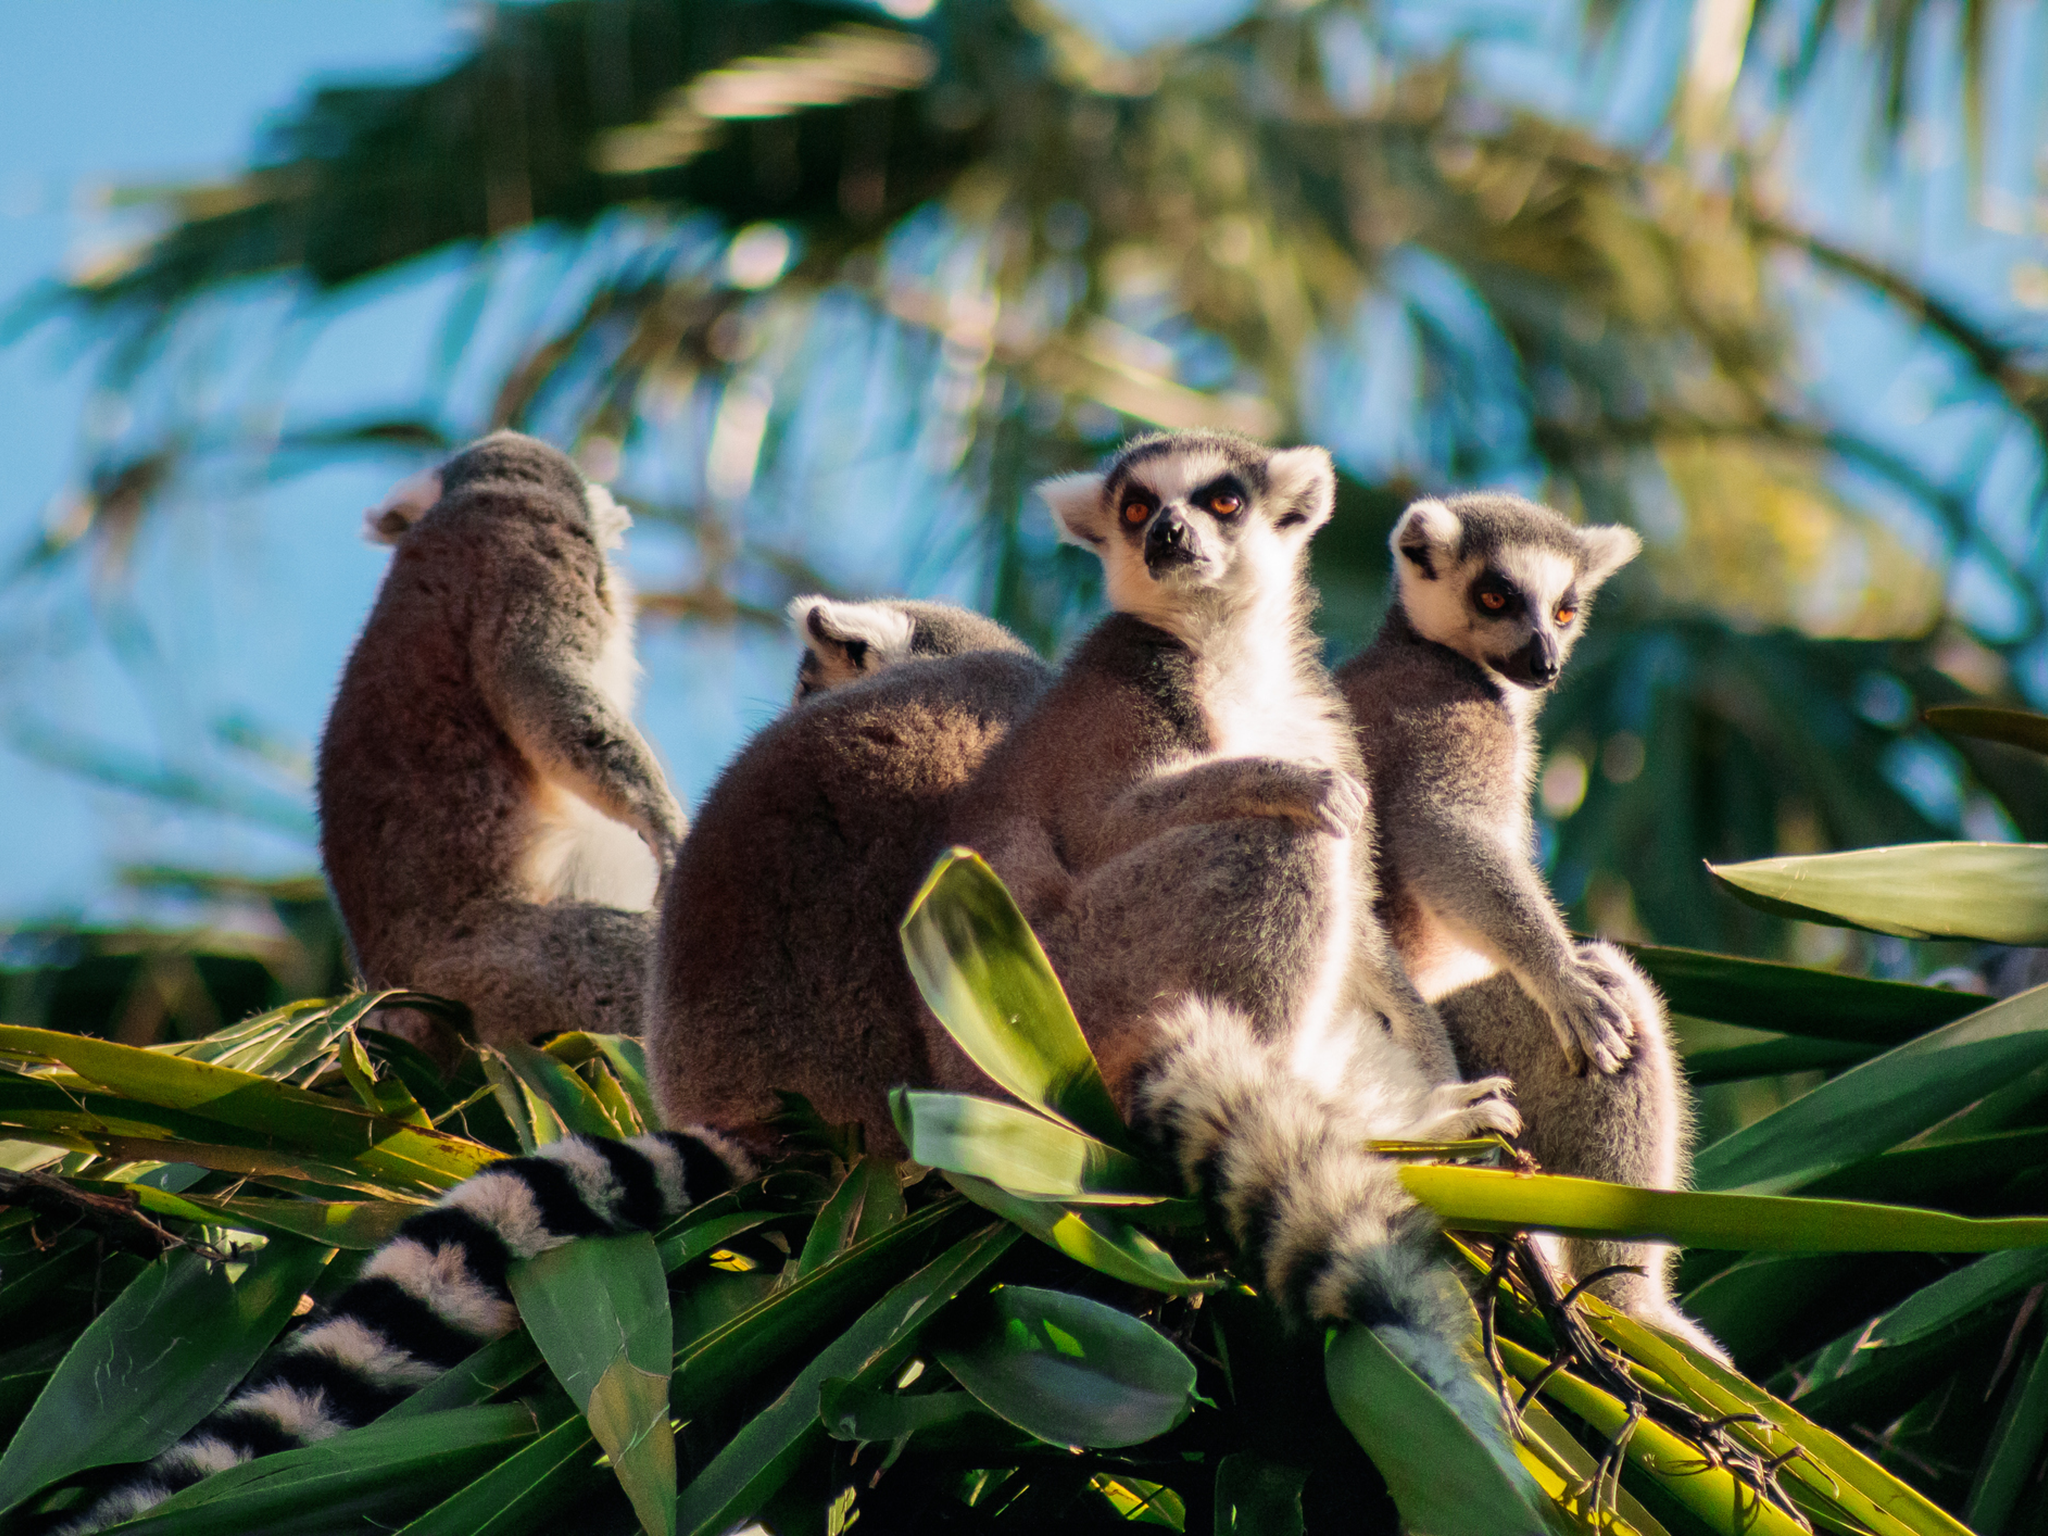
point(1323, 1225)
point(431, 1296)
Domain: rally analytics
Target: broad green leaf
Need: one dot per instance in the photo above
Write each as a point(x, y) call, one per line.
point(1726, 1506)
point(871, 1413)
point(1072, 1371)
point(1500, 1200)
point(2015, 727)
point(386, 1095)
point(1752, 1304)
point(869, 1199)
point(1771, 1058)
point(1888, 1100)
point(1930, 1318)
point(793, 1315)
point(290, 1118)
point(1139, 1502)
point(1095, 1236)
point(575, 1105)
point(337, 1223)
point(1445, 1479)
point(1828, 1476)
point(598, 1309)
point(1797, 999)
point(1257, 1496)
point(757, 1460)
point(1997, 892)
point(708, 1236)
point(1967, 1168)
point(627, 1058)
point(981, 971)
point(2014, 1455)
point(356, 1480)
point(156, 1362)
point(1018, 1149)
point(528, 1491)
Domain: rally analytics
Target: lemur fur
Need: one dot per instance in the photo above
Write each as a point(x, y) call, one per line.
point(492, 825)
point(1491, 594)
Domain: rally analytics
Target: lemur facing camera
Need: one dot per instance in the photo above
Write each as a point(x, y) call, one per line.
point(1491, 594)
point(492, 825)
point(1175, 814)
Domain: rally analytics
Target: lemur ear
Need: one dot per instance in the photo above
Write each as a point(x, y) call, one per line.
point(409, 501)
point(1427, 537)
point(1608, 548)
point(844, 641)
point(1303, 484)
point(1077, 509)
point(608, 520)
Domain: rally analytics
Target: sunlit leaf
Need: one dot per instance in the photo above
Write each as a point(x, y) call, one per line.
point(1992, 891)
point(1091, 1235)
point(980, 969)
point(1497, 1200)
point(1018, 1149)
point(1797, 999)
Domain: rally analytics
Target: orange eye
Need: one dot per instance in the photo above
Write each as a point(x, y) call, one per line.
point(1493, 602)
point(1226, 503)
point(1135, 512)
point(1566, 614)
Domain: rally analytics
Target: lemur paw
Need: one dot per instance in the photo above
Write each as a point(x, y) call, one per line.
point(1341, 806)
point(1458, 1111)
point(1594, 1026)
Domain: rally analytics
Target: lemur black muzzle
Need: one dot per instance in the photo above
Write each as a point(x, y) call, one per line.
point(1536, 664)
point(1169, 542)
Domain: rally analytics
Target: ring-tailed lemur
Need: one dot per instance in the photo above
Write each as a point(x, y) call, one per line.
point(1491, 593)
point(1174, 815)
point(430, 1297)
point(845, 641)
point(492, 825)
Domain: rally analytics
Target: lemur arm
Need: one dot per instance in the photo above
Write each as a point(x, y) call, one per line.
point(1492, 896)
point(537, 679)
point(1225, 789)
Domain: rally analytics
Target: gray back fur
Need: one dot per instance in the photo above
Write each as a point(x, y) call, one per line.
point(489, 816)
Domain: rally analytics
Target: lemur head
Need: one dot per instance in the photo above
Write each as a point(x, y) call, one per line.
point(844, 642)
point(1196, 520)
point(500, 456)
point(1503, 581)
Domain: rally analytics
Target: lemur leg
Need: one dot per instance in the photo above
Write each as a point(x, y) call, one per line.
point(1237, 911)
point(1630, 1126)
point(526, 970)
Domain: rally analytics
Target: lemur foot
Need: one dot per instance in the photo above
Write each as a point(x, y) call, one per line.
point(1458, 1111)
point(1342, 808)
point(1592, 1022)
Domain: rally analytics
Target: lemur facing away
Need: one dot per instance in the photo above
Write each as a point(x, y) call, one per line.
point(437, 1291)
point(1175, 814)
point(492, 825)
point(1492, 592)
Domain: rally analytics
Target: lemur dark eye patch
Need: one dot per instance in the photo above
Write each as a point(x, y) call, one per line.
point(1495, 596)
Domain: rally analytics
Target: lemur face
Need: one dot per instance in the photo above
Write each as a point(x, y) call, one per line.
point(1503, 581)
point(1184, 514)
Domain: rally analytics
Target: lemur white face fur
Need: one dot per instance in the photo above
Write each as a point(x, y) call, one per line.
point(1194, 524)
point(1503, 581)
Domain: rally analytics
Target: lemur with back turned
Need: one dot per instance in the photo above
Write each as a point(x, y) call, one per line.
point(492, 825)
point(1491, 594)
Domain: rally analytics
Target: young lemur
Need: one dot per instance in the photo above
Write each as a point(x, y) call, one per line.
point(1491, 594)
point(1175, 815)
point(492, 825)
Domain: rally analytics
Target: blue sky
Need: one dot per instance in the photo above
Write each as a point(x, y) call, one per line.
point(249, 592)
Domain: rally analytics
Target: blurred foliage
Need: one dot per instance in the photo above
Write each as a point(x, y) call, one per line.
point(799, 258)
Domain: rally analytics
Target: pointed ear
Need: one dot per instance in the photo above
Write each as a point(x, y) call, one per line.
point(1303, 484)
point(1427, 538)
point(1608, 548)
point(1077, 509)
point(608, 520)
point(845, 641)
point(409, 501)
